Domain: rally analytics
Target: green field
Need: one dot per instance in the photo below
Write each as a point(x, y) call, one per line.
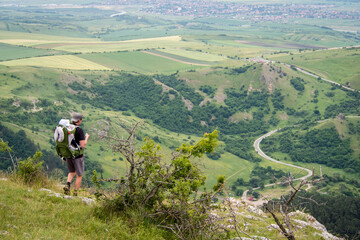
point(9, 52)
point(137, 62)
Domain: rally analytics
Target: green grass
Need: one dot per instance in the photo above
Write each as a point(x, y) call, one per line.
point(30, 213)
point(27, 212)
point(339, 65)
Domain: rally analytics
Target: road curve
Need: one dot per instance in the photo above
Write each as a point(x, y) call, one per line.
point(262, 154)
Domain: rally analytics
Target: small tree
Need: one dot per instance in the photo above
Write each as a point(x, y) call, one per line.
point(31, 171)
point(166, 191)
point(285, 207)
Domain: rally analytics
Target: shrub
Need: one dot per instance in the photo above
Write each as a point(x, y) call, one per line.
point(30, 171)
point(166, 191)
point(297, 83)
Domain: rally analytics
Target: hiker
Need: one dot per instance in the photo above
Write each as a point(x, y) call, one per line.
point(76, 165)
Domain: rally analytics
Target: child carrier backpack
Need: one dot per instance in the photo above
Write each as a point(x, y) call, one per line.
point(64, 133)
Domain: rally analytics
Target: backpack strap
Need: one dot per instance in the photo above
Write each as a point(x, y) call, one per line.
point(79, 150)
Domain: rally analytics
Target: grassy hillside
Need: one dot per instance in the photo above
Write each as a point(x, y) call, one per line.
point(30, 212)
point(30, 84)
point(339, 65)
point(268, 78)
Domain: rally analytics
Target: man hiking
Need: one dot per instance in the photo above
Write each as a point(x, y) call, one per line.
point(76, 165)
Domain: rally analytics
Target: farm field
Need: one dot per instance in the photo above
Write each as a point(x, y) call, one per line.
point(140, 62)
point(339, 65)
point(89, 47)
point(9, 52)
point(30, 39)
point(62, 61)
point(197, 55)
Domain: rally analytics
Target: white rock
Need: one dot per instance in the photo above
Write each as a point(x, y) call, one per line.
point(274, 226)
point(4, 232)
point(88, 201)
point(46, 190)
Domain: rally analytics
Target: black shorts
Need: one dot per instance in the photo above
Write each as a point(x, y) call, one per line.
point(76, 165)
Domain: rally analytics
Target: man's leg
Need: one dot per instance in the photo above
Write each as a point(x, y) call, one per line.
point(67, 186)
point(77, 184)
point(71, 175)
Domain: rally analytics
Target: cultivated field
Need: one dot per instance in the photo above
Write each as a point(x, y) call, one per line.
point(138, 62)
point(9, 52)
point(61, 61)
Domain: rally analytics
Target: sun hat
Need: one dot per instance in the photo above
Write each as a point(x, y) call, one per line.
point(75, 117)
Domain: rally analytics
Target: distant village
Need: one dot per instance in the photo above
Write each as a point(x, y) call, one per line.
point(238, 10)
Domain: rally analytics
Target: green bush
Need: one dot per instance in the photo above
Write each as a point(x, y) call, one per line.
point(30, 171)
point(168, 192)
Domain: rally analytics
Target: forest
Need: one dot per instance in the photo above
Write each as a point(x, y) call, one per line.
point(322, 146)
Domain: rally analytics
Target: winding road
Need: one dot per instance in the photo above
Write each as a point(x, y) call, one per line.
point(262, 154)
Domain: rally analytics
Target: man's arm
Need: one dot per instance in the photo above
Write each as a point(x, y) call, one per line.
point(84, 142)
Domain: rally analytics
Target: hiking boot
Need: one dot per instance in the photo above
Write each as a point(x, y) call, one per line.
point(67, 190)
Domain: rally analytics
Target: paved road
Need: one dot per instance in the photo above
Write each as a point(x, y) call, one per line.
point(261, 153)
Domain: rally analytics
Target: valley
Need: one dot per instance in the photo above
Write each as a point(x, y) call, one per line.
point(183, 73)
